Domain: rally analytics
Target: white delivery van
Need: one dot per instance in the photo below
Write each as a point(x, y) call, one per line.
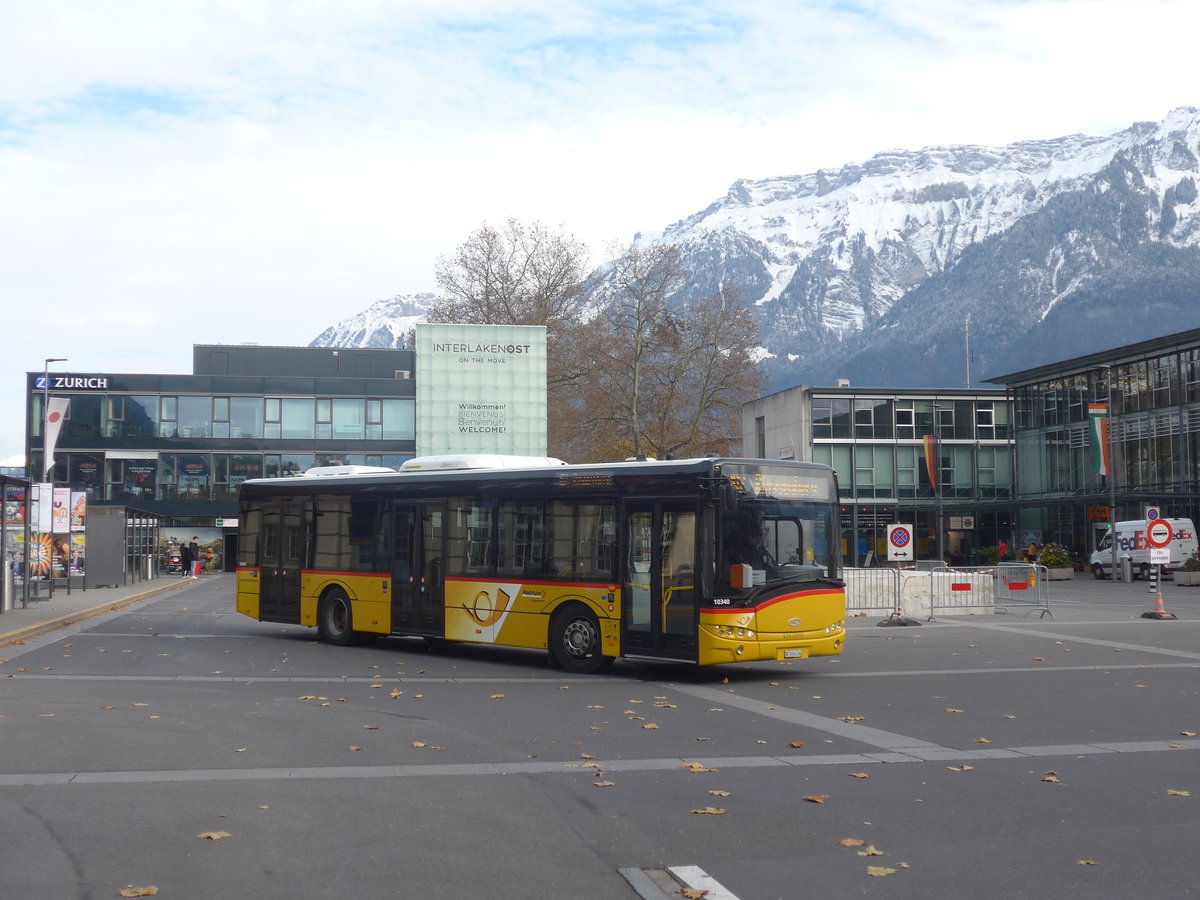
point(1131, 542)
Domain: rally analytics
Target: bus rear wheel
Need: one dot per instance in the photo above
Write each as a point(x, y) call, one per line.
point(575, 641)
point(335, 620)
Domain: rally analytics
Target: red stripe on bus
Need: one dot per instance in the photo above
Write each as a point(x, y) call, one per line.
point(741, 610)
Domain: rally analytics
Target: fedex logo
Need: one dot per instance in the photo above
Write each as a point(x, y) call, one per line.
point(1137, 542)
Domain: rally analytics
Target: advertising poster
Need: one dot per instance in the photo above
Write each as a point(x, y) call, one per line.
point(61, 516)
point(78, 511)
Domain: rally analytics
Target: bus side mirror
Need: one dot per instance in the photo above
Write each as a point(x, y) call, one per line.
point(729, 497)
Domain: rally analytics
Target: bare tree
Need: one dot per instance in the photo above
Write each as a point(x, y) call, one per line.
point(523, 275)
point(518, 275)
point(637, 327)
point(669, 382)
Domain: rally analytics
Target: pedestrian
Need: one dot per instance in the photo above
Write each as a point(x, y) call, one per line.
point(185, 559)
point(194, 553)
point(1002, 550)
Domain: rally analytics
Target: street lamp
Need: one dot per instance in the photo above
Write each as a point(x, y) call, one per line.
point(46, 415)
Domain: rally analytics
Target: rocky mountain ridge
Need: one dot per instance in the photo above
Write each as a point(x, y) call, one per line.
point(1053, 248)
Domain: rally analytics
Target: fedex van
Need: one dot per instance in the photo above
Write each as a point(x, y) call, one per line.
point(1131, 542)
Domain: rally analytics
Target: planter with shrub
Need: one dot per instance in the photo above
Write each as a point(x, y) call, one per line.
point(1057, 561)
point(1189, 572)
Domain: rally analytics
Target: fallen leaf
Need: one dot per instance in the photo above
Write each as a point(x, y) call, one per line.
point(858, 775)
point(1051, 778)
point(1188, 733)
point(851, 842)
point(695, 767)
point(418, 744)
point(147, 891)
point(963, 768)
point(1174, 793)
point(1039, 659)
point(604, 784)
point(953, 710)
point(649, 726)
point(264, 807)
point(719, 793)
point(817, 798)
point(496, 697)
point(586, 756)
point(982, 740)
point(796, 745)
point(709, 811)
point(371, 727)
point(1088, 862)
point(871, 851)
point(693, 893)
point(851, 718)
point(352, 748)
point(879, 871)
point(213, 835)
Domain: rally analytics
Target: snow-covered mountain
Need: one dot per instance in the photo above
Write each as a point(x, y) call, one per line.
point(1053, 248)
point(870, 271)
point(384, 324)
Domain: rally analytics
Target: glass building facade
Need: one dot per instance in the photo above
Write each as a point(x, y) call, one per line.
point(1153, 389)
point(178, 446)
point(875, 439)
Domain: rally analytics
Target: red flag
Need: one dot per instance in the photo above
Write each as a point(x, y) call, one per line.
point(932, 463)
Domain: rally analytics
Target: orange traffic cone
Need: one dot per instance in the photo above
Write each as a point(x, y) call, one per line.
point(1158, 612)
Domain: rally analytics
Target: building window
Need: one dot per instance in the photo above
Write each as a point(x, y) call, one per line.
point(297, 420)
point(399, 420)
point(195, 417)
point(279, 465)
point(168, 426)
point(348, 423)
point(245, 417)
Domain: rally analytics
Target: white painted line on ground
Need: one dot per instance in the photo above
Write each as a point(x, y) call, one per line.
point(697, 878)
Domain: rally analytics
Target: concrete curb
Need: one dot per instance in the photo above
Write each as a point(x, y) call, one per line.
point(19, 635)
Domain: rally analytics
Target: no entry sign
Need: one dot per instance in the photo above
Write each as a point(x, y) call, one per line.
point(1159, 533)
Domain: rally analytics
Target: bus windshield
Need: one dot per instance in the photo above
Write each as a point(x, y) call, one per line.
point(783, 529)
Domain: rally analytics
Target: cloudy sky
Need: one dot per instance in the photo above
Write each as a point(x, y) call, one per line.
point(255, 170)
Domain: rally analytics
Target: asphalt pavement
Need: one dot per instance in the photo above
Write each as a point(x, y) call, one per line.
point(153, 737)
point(67, 608)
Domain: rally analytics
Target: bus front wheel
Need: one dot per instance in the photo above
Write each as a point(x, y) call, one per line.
point(335, 621)
point(575, 641)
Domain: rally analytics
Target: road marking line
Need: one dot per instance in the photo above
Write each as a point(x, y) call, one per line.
point(571, 767)
point(695, 877)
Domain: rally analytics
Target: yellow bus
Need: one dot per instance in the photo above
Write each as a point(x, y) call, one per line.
point(703, 561)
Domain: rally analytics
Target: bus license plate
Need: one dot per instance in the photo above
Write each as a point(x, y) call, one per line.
point(797, 653)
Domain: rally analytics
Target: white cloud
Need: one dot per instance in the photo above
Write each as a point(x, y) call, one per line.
point(198, 172)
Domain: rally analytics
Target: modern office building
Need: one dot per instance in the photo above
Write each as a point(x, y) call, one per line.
point(876, 439)
point(1153, 388)
point(178, 446)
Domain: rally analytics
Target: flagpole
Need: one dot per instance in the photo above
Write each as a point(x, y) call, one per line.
point(1112, 472)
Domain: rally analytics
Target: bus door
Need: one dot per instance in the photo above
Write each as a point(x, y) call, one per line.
point(660, 611)
point(417, 606)
point(281, 560)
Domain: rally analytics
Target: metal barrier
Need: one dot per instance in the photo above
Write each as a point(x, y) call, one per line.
point(871, 590)
point(1000, 588)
